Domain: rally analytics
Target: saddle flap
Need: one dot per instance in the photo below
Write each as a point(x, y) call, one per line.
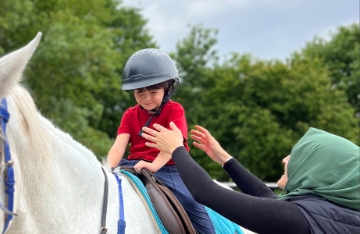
point(169, 209)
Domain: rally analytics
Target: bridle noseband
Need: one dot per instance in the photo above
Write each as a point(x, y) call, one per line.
point(9, 175)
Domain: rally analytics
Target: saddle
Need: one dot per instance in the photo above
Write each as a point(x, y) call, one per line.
point(168, 207)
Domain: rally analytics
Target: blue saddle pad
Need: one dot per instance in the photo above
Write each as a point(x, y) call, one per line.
point(223, 225)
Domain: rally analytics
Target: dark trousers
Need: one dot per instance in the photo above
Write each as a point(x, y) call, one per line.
point(169, 175)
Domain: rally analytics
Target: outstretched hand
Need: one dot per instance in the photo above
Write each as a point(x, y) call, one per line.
point(206, 142)
point(162, 138)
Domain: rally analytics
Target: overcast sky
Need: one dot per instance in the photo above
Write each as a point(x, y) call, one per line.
point(266, 29)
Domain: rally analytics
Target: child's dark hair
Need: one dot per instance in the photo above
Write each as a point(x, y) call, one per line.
point(168, 85)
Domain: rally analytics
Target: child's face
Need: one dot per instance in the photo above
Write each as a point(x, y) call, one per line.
point(149, 99)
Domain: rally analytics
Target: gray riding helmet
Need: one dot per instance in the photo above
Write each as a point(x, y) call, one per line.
point(148, 67)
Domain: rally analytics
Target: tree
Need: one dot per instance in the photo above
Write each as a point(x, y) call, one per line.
point(75, 75)
point(194, 56)
point(340, 54)
point(259, 109)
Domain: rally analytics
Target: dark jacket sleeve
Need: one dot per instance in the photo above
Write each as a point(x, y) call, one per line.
point(246, 181)
point(263, 214)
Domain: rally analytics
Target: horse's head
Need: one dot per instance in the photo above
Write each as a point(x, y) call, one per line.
point(11, 69)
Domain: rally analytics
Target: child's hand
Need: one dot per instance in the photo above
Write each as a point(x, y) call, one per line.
point(147, 165)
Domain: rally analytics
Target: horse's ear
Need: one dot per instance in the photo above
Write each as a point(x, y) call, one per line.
point(13, 65)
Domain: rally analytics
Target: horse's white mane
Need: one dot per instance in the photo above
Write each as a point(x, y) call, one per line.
point(30, 119)
point(40, 129)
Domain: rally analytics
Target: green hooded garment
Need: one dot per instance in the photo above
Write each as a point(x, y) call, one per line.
point(325, 165)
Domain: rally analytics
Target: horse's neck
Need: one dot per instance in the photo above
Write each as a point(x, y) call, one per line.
point(59, 183)
point(46, 153)
point(51, 168)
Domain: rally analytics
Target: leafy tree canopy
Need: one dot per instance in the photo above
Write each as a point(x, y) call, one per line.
point(256, 109)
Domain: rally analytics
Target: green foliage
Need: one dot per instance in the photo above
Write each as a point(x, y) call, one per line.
point(340, 55)
point(75, 75)
point(259, 109)
point(256, 109)
point(193, 57)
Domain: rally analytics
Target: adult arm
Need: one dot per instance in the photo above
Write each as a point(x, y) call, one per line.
point(247, 182)
point(258, 214)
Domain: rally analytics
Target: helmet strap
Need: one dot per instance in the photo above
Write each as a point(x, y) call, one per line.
point(149, 120)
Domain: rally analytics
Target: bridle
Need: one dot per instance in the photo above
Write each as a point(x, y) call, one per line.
point(9, 175)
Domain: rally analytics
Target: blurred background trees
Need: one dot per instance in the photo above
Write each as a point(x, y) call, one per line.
point(257, 109)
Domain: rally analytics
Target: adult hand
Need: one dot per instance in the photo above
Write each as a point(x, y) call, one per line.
point(162, 138)
point(207, 143)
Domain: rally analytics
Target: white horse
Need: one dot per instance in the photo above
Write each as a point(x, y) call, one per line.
point(58, 183)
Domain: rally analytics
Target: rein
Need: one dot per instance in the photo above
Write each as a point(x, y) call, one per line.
point(103, 215)
point(121, 222)
point(9, 175)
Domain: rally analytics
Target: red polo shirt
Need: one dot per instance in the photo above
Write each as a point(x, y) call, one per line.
point(135, 118)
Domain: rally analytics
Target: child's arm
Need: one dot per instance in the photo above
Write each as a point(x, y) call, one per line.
point(158, 163)
point(117, 151)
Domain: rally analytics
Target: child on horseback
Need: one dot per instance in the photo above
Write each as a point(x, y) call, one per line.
point(152, 75)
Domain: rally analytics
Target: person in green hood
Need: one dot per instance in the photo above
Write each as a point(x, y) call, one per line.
point(321, 182)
